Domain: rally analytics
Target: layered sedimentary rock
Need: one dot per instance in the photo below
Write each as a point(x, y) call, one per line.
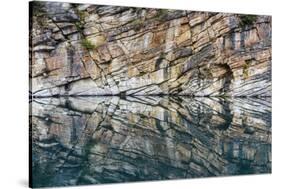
point(111, 139)
point(110, 50)
point(152, 70)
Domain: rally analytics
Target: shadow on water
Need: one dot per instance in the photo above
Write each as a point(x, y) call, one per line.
point(95, 140)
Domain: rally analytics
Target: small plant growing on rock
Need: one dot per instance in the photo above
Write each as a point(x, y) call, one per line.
point(138, 23)
point(161, 13)
point(247, 20)
point(80, 24)
point(82, 15)
point(88, 44)
point(245, 70)
point(162, 55)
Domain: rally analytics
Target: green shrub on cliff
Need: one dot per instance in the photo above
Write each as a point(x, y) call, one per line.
point(161, 13)
point(88, 44)
point(246, 70)
point(138, 24)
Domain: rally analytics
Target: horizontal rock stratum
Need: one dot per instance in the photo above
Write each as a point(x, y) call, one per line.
point(109, 50)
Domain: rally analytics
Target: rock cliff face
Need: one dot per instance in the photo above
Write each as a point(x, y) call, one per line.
point(90, 140)
point(178, 78)
point(109, 50)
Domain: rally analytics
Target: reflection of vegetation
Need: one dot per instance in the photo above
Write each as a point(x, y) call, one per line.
point(247, 20)
point(37, 8)
point(42, 21)
point(39, 13)
point(88, 44)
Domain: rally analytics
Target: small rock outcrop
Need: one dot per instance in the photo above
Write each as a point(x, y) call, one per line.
point(109, 50)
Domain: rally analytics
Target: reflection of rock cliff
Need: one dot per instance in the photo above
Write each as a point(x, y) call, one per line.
point(108, 139)
point(90, 50)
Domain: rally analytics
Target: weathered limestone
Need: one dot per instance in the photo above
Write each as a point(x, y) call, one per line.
point(97, 50)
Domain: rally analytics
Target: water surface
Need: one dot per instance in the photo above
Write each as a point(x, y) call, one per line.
point(91, 140)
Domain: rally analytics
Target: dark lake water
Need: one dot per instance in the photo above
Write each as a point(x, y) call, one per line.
point(91, 140)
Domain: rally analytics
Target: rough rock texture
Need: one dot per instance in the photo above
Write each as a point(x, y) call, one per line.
point(97, 50)
point(160, 65)
point(112, 139)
